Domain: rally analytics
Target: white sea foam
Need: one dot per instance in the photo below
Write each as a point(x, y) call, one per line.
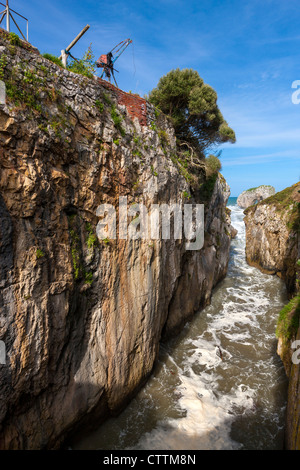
point(218, 385)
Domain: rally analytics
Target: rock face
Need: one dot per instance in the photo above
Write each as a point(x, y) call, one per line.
point(293, 406)
point(273, 245)
point(82, 318)
point(272, 237)
point(254, 195)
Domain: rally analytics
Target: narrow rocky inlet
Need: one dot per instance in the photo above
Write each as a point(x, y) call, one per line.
point(220, 384)
point(159, 334)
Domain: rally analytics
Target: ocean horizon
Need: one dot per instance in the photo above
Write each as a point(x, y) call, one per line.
point(232, 201)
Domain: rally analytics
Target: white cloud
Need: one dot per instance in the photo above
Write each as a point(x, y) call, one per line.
point(262, 158)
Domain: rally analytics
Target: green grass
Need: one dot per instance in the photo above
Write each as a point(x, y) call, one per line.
point(53, 59)
point(283, 202)
point(261, 186)
point(283, 198)
point(288, 322)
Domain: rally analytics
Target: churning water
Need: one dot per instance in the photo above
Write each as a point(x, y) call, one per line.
point(220, 383)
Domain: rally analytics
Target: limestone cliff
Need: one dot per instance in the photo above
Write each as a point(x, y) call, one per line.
point(272, 235)
point(82, 318)
point(254, 195)
point(273, 245)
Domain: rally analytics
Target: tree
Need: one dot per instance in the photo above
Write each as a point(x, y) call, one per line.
point(192, 107)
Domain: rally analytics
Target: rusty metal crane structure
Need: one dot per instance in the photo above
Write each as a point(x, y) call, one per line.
point(107, 61)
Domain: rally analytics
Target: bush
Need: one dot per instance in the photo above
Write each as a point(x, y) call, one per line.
point(14, 39)
point(39, 253)
point(212, 165)
point(85, 66)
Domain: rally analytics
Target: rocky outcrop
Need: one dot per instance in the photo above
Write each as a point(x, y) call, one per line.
point(254, 195)
point(272, 236)
point(273, 245)
point(82, 317)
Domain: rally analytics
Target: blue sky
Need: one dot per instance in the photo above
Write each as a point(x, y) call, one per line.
point(248, 51)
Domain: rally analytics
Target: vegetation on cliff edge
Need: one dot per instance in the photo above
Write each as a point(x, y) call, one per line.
point(288, 322)
point(198, 122)
point(193, 109)
point(286, 200)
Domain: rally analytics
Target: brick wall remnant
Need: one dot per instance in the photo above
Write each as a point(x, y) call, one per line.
point(136, 106)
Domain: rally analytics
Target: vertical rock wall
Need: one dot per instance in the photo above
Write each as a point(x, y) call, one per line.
point(273, 245)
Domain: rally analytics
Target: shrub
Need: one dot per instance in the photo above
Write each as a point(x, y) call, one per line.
point(85, 66)
point(212, 165)
point(14, 39)
point(39, 253)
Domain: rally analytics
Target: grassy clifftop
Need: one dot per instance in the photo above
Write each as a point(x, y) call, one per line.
point(287, 200)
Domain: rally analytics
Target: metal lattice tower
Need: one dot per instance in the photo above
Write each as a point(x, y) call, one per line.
point(8, 14)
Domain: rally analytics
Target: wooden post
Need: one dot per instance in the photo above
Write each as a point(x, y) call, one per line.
point(75, 40)
point(64, 58)
point(7, 17)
